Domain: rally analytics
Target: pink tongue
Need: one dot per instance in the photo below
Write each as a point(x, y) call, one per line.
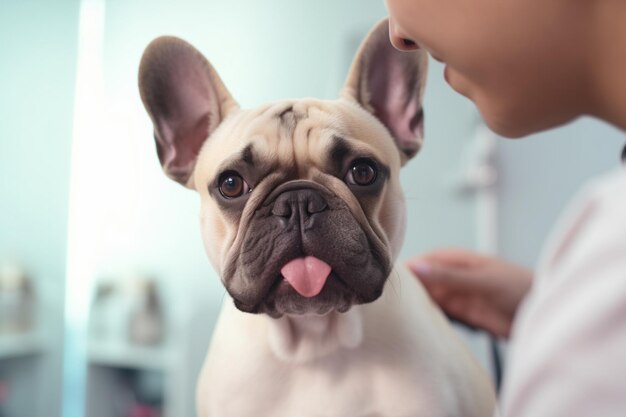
point(306, 275)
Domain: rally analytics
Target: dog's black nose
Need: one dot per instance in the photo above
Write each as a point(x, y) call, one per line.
point(299, 206)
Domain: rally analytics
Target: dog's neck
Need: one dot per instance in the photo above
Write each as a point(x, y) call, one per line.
point(303, 338)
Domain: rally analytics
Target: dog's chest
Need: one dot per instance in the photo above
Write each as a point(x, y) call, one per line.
point(353, 383)
point(359, 385)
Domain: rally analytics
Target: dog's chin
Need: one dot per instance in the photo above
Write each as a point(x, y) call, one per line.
point(283, 299)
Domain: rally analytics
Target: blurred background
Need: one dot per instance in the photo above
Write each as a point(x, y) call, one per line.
point(107, 301)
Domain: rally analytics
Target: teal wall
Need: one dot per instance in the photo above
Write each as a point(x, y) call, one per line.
point(38, 43)
point(37, 68)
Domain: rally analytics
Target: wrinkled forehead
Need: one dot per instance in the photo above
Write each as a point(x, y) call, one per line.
point(299, 135)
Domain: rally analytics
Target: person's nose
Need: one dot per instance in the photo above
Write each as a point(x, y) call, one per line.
point(399, 39)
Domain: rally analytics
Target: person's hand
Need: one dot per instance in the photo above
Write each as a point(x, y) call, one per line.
point(479, 290)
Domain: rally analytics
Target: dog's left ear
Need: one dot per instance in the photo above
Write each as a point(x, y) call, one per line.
point(390, 85)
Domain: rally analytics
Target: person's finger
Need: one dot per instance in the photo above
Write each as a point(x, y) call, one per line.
point(475, 312)
point(431, 273)
point(451, 256)
point(491, 318)
point(456, 307)
point(437, 292)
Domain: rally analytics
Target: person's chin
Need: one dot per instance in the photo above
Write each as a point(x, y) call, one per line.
point(515, 123)
point(498, 114)
point(457, 82)
point(503, 120)
point(504, 126)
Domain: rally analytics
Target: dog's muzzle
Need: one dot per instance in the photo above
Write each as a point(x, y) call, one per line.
point(305, 252)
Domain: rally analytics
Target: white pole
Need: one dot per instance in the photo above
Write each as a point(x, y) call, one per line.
point(88, 111)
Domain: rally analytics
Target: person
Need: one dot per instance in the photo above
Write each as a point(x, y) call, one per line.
point(531, 65)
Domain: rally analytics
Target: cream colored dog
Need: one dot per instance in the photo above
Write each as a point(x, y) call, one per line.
point(303, 217)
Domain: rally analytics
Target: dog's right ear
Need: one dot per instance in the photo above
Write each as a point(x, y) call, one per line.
point(186, 101)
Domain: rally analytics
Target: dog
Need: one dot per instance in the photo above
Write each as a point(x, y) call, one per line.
point(303, 217)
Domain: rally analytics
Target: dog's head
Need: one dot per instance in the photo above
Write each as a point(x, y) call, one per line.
point(302, 210)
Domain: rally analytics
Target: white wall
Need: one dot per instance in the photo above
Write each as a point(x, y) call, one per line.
point(541, 174)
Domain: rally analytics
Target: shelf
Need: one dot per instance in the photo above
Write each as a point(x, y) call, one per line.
point(129, 356)
point(20, 345)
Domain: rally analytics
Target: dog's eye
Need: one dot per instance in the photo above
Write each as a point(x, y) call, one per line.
point(362, 172)
point(232, 185)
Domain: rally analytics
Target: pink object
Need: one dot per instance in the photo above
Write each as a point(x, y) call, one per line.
point(4, 392)
point(306, 275)
point(139, 410)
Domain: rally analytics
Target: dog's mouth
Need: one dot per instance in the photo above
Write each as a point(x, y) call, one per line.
point(306, 285)
point(283, 298)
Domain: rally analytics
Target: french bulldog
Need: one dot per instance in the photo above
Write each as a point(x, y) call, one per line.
point(302, 215)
